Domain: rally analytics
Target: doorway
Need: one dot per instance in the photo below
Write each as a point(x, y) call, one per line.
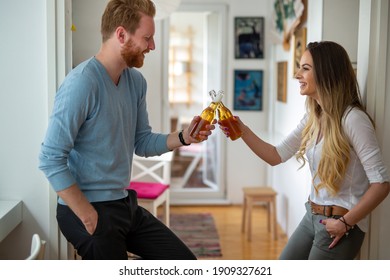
point(207, 64)
point(196, 65)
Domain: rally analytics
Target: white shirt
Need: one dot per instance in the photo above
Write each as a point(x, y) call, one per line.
point(365, 166)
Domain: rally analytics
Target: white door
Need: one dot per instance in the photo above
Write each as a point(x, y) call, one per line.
point(210, 61)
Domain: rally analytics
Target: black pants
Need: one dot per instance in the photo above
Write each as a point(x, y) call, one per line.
point(122, 227)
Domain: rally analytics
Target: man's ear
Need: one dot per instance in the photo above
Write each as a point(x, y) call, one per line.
point(121, 34)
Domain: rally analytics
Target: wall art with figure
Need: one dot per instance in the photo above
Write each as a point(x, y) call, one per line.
point(248, 90)
point(249, 37)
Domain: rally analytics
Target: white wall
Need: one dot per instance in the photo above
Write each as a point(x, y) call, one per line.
point(337, 28)
point(23, 119)
point(86, 37)
point(383, 245)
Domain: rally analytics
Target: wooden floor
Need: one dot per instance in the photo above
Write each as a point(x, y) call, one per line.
point(234, 244)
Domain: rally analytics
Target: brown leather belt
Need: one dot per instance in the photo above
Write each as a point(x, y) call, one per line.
point(327, 210)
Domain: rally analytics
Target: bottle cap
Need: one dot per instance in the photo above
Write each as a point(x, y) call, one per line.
point(212, 94)
point(218, 96)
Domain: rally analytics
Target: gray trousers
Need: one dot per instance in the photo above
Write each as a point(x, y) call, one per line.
point(310, 241)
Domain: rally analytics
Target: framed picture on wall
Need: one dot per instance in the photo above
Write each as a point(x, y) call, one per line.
point(282, 81)
point(299, 47)
point(288, 15)
point(249, 37)
point(248, 90)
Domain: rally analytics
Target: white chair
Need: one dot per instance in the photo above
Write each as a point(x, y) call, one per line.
point(151, 180)
point(37, 248)
point(195, 152)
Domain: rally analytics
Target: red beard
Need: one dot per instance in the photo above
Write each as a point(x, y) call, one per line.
point(132, 55)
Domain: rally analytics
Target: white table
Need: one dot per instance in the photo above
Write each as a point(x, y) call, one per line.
point(10, 216)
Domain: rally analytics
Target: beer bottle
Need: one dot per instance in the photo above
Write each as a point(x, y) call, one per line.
point(207, 116)
point(226, 118)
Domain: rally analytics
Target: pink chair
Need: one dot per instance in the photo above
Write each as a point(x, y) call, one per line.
point(151, 180)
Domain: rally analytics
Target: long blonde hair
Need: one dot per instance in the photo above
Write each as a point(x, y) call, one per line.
point(338, 93)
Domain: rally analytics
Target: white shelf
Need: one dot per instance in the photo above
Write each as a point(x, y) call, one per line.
point(10, 216)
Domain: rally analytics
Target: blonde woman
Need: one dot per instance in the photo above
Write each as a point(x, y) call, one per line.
point(336, 137)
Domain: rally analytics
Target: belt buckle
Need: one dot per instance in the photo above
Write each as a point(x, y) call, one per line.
point(326, 212)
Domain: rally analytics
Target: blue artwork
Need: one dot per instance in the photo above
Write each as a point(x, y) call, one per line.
point(248, 90)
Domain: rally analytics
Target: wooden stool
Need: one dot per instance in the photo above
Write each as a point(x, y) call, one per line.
point(259, 194)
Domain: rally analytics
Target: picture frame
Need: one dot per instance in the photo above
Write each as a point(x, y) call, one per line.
point(282, 81)
point(288, 15)
point(249, 37)
point(299, 48)
point(248, 90)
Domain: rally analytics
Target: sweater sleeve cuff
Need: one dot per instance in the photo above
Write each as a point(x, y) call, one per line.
point(61, 181)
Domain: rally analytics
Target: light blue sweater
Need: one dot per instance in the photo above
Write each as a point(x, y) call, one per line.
point(94, 129)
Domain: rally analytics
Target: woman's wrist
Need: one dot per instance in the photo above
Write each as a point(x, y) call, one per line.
point(346, 225)
point(244, 129)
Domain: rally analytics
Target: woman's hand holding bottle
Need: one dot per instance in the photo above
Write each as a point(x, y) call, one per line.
point(230, 130)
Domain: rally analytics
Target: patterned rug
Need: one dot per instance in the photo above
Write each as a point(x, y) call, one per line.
point(198, 232)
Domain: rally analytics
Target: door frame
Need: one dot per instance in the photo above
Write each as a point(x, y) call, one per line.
point(373, 71)
point(203, 195)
